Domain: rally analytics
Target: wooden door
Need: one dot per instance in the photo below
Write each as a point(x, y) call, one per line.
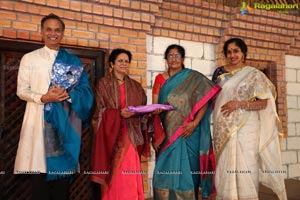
point(11, 116)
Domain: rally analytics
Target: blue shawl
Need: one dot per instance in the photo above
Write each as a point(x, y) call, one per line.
point(65, 120)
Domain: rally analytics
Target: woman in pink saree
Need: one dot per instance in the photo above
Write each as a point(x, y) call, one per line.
point(116, 161)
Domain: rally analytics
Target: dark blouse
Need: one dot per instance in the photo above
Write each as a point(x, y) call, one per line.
point(219, 71)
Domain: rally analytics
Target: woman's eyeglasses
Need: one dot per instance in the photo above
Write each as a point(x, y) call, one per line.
point(122, 61)
point(176, 56)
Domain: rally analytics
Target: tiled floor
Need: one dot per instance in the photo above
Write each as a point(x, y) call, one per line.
point(292, 189)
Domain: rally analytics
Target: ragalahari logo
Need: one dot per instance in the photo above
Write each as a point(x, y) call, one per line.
point(245, 8)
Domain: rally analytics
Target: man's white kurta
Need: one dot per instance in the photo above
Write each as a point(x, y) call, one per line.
point(33, 81)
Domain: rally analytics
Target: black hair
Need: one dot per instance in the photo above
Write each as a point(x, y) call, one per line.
point(239, 42)
point(52, 16)
point(179, 48)
point(114, 54)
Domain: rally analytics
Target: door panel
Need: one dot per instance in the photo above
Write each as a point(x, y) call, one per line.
point(11, 116)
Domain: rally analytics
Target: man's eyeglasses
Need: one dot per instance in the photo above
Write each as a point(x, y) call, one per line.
point(176, 56)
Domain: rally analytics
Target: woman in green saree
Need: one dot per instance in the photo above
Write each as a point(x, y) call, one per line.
point(185, 159)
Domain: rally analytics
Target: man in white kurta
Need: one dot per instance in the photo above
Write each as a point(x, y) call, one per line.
point(33, 82)
point(34, 152)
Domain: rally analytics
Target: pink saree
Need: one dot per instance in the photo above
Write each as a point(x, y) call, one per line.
point(116, 162)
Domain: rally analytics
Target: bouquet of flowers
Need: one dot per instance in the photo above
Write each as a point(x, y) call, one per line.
point(66, 75)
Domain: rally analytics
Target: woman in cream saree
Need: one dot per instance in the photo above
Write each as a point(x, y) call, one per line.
point(246, 135)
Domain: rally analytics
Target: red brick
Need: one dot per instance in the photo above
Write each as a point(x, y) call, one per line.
point(187, 36)
point(67, 32)
point(8, 15)
point(104, 45)
point(135, 5)
point(102, 36)
point(145, 17)
point(166, 33)
point(23, 35)
point(78, 16)
point(45, 11)
point(166, 14)
point(136, 16)
point(142, 35)
point(104, 1)
point(98, 9)
point(212, 22)
point(129, 33)
point(108, 21)
point(146, 27)
point(137, 25)
point(81, 26)
point(35, 36)
point(141, 49)
point(93, 43)
point(34, 9)
point(180, 35)
point(197, 20)
point(204, 21)
point(52, 3)
point(83, 34)
point(109, 30)
point(128, 24)
point(118, 22)
point(145, 6)
point(115, 3)
point(5, 23)
point(127, 14)
point(64, 4)
point(20, 7)
point(172, 34)
point(82, 42)
point(154, 8)
point(87, 18)
point(126, 3)
point(23, 17)
point(41, 2)
point(205, 13)
point(24, 26)
point(98, 19)
point(75, 5)
point(202, 30)
point(190, 18)
point(189, 28)
point(107, 11)
point(93, 27)
point(6, 5)
point(86, 7)
point(157, 32)
point(120, 39)
point(117, 12)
